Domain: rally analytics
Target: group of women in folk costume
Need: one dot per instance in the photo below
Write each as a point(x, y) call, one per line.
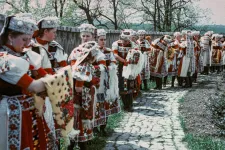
point(27, 121)
point(22, 127)
point(130, 62)
point(96, 84)
point(46, 95)
point(216, 53)
point(38, 88)
point(213, 52)
point(158, 65)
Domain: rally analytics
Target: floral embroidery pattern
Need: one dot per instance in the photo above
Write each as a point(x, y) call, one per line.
point(60, 92)
point(4, 65)
point(14, 124)
point(86, 98)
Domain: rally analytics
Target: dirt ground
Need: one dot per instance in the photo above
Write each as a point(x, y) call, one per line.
point(194, 108)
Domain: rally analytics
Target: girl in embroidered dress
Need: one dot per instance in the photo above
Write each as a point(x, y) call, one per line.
point(223, 52)
point(158, 66)
point(85, 85)
point(216, 53)
point(133, 39)
point(186, 59)
point(25, 129)
point(145, 49)
point(45, 37)
point(198, 58)
point(206, 46)
point(172, 54)
point(110, 84)
point(126, 85)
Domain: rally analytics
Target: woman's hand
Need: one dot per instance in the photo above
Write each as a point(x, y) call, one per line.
point(37, 86)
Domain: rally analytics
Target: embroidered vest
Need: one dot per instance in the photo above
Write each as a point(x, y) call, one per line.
point(123, 50)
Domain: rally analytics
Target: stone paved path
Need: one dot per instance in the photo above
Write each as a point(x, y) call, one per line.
point(154, 124)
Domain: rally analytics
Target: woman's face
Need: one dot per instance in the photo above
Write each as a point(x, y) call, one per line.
point(50, 35)
point(102, 41)
point(141, 37)
point(185, 36)
point(217, 39)
point(86, 37)
point(19, 42)
point(133, 38)
point(178, 37)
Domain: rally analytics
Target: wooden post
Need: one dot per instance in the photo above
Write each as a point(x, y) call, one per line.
point(2, 20)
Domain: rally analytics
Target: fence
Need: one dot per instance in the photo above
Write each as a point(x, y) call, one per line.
point(69, 37)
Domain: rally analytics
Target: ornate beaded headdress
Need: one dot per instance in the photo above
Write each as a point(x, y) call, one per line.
point(19, 24)
point(176, 34)
point(101, 32)
point(48, 22)
point(87, 28)
point(126, 34)
point(195, 33)
point(167, 38)
point(141, 32)
point(217, 36)
point(133, 33)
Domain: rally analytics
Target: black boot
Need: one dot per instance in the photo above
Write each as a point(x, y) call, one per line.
point(102, 130)
point(71, 146)
point(145, 84)
point(187, 84)
point(164, 81)
point(130, 102)
point(83, 145)
point(160, 84)
point(207, 70)
point(173, 80)
point(141, 87)
point(194, 78)
point(125, 106)
point(96, 131)
point(180, 81)
point(156, 83)
point(190, 81)
point(218, 69)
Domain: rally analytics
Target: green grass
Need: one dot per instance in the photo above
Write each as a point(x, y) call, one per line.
point(203, 143)
point(182, 123)
point(200, 142)
point(99, 142)
point(181, 100)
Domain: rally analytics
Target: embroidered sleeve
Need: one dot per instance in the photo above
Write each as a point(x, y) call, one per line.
point(4, 65)
point(17, 71)
point(34, 59)
point(115, 48)
point(112, 57)
point(46, 64)
point(60, 55)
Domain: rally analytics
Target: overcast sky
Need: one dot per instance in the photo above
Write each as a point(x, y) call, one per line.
point(217, 8)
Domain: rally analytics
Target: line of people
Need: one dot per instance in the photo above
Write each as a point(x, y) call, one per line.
point(47, 95)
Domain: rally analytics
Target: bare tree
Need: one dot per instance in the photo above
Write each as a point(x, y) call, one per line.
point(169, 15)
point(58, 6)
point(117, 14)
point(90, 8)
